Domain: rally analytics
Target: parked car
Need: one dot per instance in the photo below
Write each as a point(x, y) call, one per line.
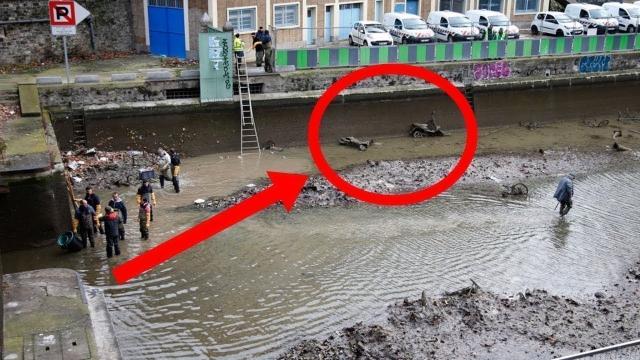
point(369, 33)
point(555, 23)
point(592, 16)
point(628, 15)
point(452, 26)
point(407, 28)
point(498, 21)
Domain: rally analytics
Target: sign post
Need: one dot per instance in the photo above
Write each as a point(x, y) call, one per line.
point(64, 15)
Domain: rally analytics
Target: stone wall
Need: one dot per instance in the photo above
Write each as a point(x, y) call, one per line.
point(33, 42)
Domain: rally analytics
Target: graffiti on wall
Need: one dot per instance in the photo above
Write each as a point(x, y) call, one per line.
point(595, 63)
point(490, 71)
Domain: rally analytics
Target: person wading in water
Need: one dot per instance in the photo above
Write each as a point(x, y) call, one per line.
point(564, 193)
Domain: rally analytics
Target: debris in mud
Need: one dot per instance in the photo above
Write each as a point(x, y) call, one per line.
point(418, 130)
point(473, 323)
point(398, 176)
point(361, 145)
point(616, 146)
point(627, 115)
point(104, 170)
point(595, 123)
point(271, 145)
point(518, 189)
point(530, 125)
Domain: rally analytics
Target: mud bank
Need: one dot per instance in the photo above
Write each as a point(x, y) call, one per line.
point(472, 323)
point(488, 172)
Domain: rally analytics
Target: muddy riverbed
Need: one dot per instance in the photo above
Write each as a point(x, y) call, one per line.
point(474, 324)
point(278, 279)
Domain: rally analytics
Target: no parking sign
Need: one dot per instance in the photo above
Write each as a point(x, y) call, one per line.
point(64, 15)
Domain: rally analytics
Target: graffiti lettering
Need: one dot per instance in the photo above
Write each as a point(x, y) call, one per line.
point(595, 63)
point(496, 70)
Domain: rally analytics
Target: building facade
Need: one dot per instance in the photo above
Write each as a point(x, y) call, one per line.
point(170, 27)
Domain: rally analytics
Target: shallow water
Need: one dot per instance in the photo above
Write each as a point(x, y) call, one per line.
point(277, 278)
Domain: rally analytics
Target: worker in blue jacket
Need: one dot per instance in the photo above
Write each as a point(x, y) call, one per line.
point(564, 194)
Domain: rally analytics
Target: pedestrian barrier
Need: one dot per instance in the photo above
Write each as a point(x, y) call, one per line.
point(457, 51)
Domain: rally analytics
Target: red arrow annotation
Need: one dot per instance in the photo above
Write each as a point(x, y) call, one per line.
point(284, 188)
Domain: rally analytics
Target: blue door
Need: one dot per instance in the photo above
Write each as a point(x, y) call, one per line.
point(349, 15)
point(166, 28)
point(412, 7)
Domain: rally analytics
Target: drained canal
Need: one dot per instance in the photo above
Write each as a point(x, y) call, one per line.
point(276, 278)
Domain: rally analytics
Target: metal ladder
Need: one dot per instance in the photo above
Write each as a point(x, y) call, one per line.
point(249, 143)
point(79, 128)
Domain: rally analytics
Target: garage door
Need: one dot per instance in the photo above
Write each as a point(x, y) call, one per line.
point(412, 7)
point(166, 28)
point(349, 14)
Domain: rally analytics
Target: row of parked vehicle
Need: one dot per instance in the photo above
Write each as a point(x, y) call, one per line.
point(577, 19)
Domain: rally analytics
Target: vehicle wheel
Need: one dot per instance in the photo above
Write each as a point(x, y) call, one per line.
point(534, 30)
point(362, 147)
point(366, 43)
point(631, 29)
point(519, 189)
point(559, 33)
point(351, 43)
point(417, 133)
point(404, 40)
point(449, 38)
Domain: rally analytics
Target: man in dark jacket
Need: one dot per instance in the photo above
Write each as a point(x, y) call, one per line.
point(116, 203)
point(83, 223)
point(257, 45)
point(175, 169)
point(268, 52)
point(94, 201)
point(564, 194)
point(111, 223)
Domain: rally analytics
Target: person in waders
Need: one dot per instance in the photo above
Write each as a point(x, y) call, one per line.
point(144, 216)
point(564, 194)
point(146, 192)
point(112, 222)
point(94, 201)
point(175, 169)
point(83, 223)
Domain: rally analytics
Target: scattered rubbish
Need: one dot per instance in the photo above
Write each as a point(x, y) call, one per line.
point(518, 189)
point(199, 203)
point(271, 145)
point(103, 159)
point(134, 153)
point(146, 174)
point(355, 142)
point(530, 125)
point(91, 151)
point(495, 179)
point(418, 130)
point(251, 185)
point(595, 123)
point(628, 116)
point(73, 165)
point(616, 146)
point(76, 179)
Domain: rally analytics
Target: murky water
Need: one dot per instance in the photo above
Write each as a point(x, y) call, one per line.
point(277, 278)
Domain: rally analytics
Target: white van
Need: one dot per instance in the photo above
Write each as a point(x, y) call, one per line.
point(407, 28)
point(628, 15)
point(592, 16)
point(452, 26)
point(498, 21)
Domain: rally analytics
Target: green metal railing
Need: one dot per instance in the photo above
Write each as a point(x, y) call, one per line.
point(459, 51)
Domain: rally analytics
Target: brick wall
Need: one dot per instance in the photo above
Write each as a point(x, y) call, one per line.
point(33, 42)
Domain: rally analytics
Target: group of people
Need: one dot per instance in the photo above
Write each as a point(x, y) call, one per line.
point(89, 219)
point(490, 34)
point(262, 44)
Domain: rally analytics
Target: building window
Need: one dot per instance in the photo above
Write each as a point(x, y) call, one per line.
point(526, 6)
point(242, 19)
point(167, 3)
point(286, 15)
point(493, 5)
point(399, 7)
point(453, 5)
